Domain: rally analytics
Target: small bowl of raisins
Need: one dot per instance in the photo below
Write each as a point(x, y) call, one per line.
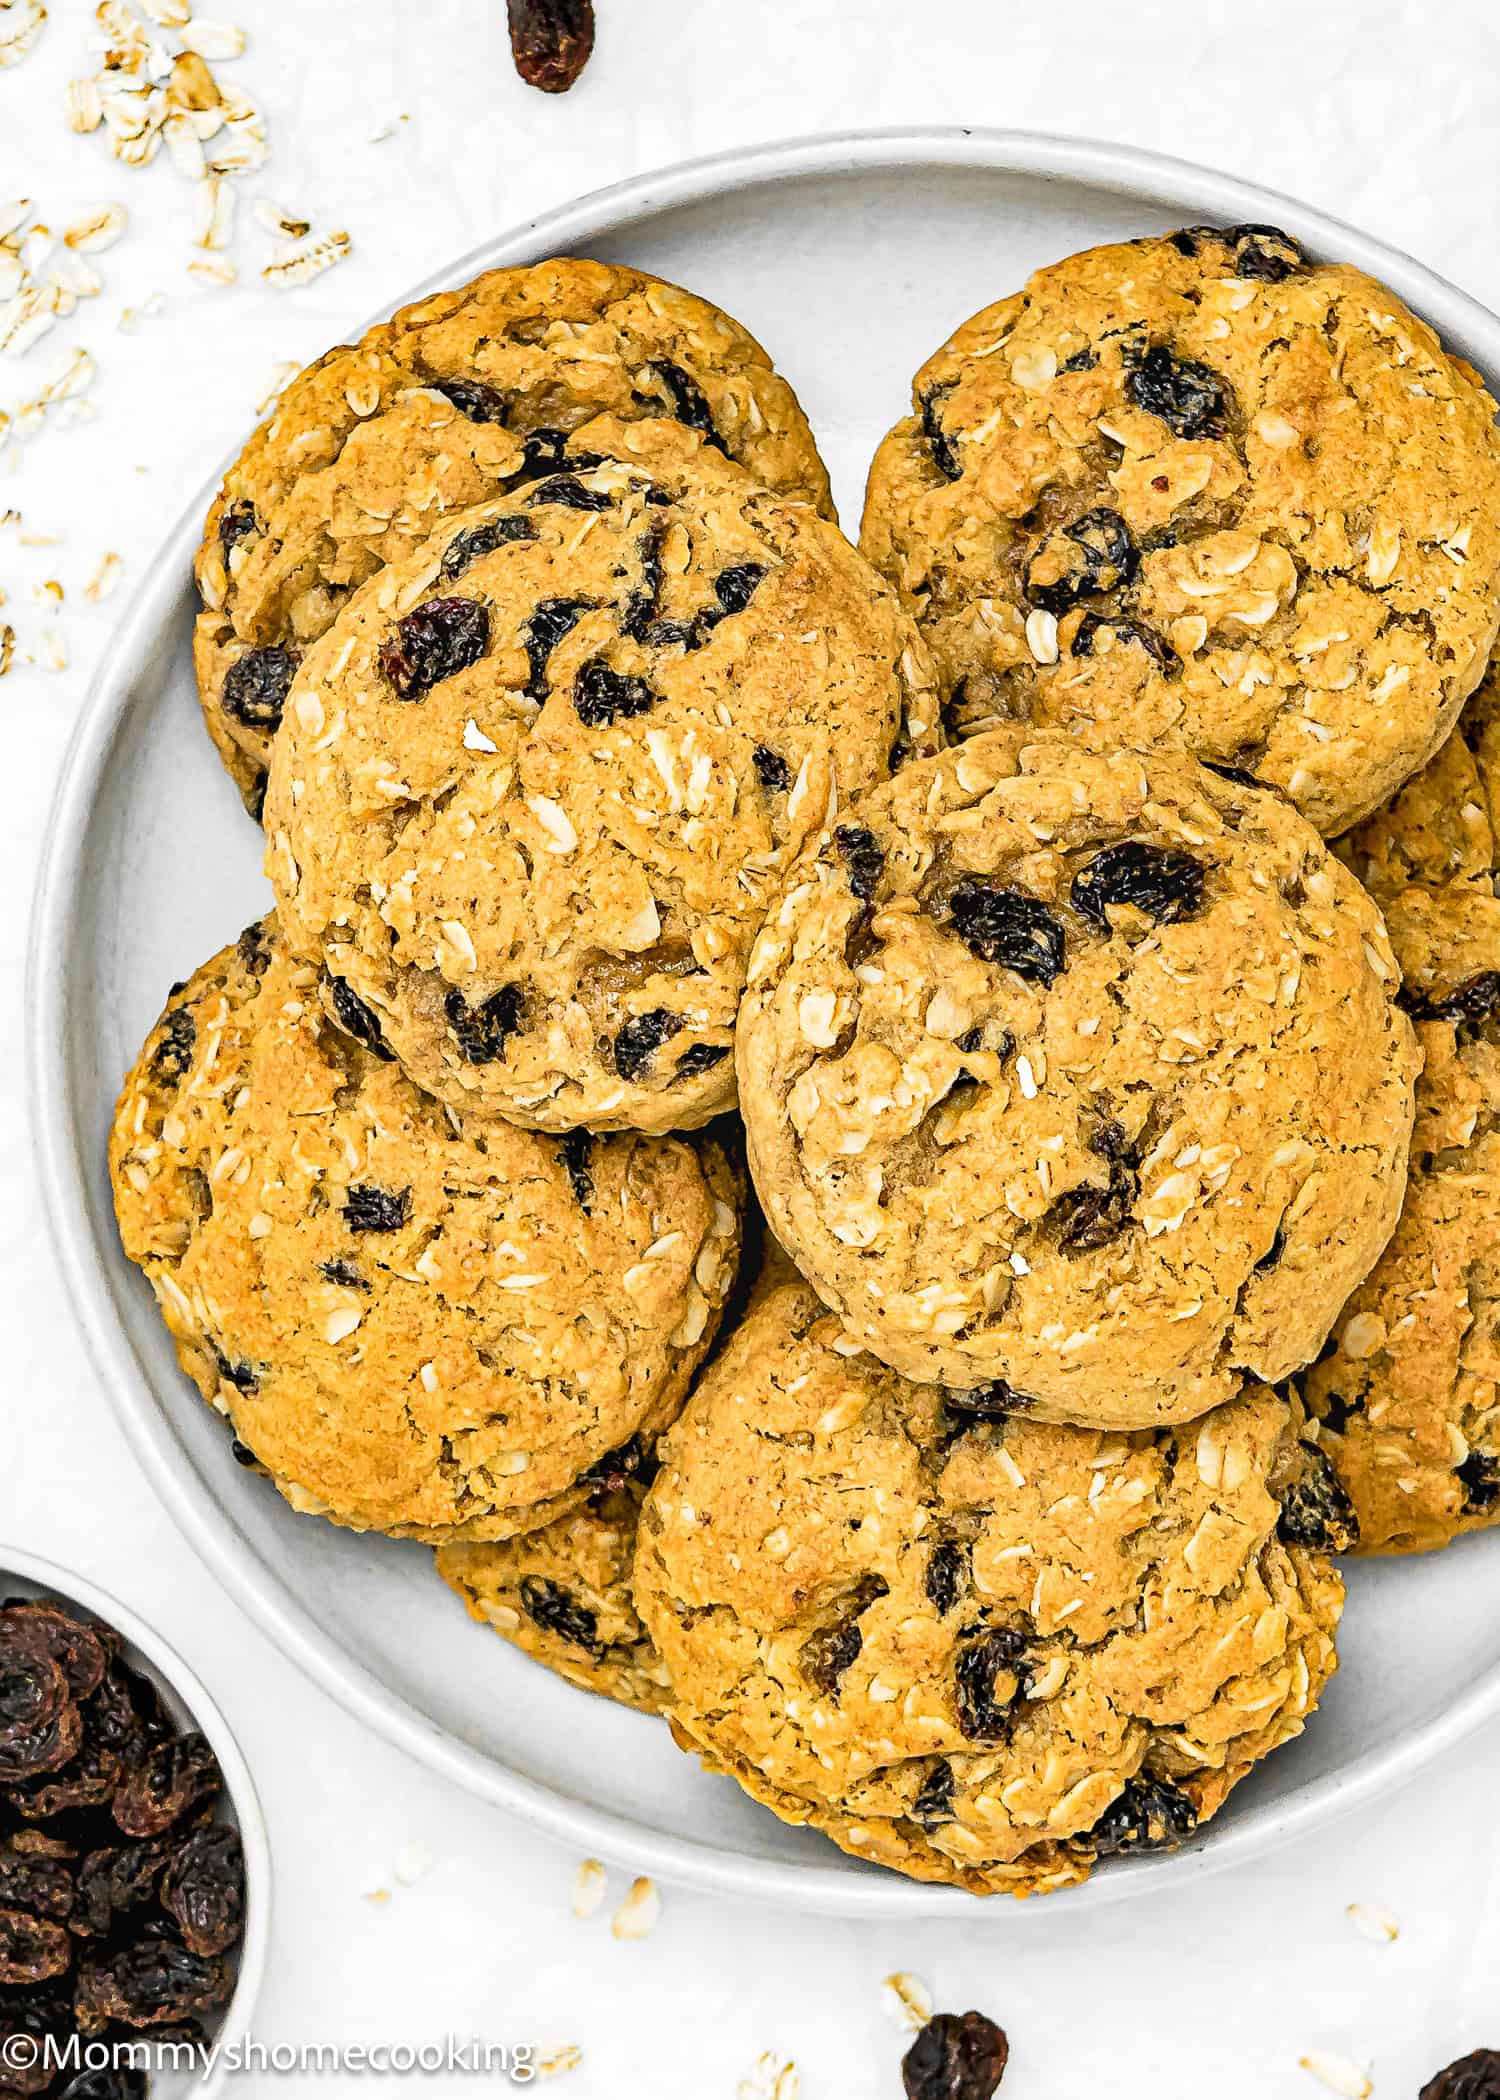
point(134, 1866)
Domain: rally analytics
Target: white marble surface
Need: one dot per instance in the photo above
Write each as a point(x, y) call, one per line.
point(1384, 112)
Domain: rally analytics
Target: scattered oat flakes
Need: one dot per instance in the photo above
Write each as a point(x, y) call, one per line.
point(106, 575)
point(7, 649)
point(378, 1896)
point(558, 2058)
point(283, 224)
point(131, 317)
point(588, 1888)
point(96, 230)
point(907, 1999)
point(168, 14)
point(304, 260)
point(774, 2078)
point(1373, 1923)
point(639, 1912)
point(21, 23)
point(412, 1862)
point(52, 651)
point(217, 40)
point(48, 594)
point(281, 379)
point(212, 270)
point(1338, 2074)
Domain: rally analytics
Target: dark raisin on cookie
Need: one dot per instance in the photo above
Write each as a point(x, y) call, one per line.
point(771, 769)
point(602, 696)
point(1271, 1259)
point(1093, 554)
point(1237, 775)
point(468, 547)
point(253, 949)
point(638, 1041)
point(344, 1274)
point(957, 2056)
point(434, 642)
point(609, 1474)
point(473, 399)
point(698, 1059)
point(371, 1209)
point(235, 521)
point(1474, 1001)
point(1474, 2077)
point(552, 620)
point(995, 1401)
point(234, 1371)
point(1009, 927)
point(482, 1030)
point(1316, 1510)
point(933, 1803)
point(640, 607)
point(256, 685)
point(1089, 1217)
point(944, 452)
point(1190, 398)
point(735, 586)
point(1264, 252)
point(1162, 881)
point(242, 1454)
point(1134, 632)
point(826, 1654)
point(863, 857)
point(577, 1149)
point(1146, 1816)
point(689, 403)
point(174, 1052)
point(558, 1611)
point(1480, 1474)
point(354, 1017)
point(1083, 360)
point(568, 493)
point(992, 1674)
point(947, 1574)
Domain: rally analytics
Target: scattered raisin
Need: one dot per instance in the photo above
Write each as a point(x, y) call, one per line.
point(1475, 1000)
point(550, 41)
point(568, 493)
point(242, 1454)
point(344, 1274)
point(991, 1402)
point(1135, 632)
point(204, 1889)
point(1082, 360)
point(1480, 1474)
point(256, 685)
point(1094, 553)
point(354, 1017)
point(1187, 396)
point(435, 641)
point(32, 1949)
point(553, 619)
point(235, 521)
point(689, 403)
point(609, 1474)
point(863, 857)
point(1162, 881)
point(1009, 927)
point(557, 1611)
point(174, 1053)
point(957, 2056)
point(1145, 1816)
point(944, 452)
point(1316, 1510)
point(771, 769)
point(473, 399)
point(934, 1799)
point(234, 1371)
point(253, 949)
point(698, 1059)
point(371, 1209)
point(149, 1982)
point(1263, 251)
point(171, 1781)
point(577, 1149)
point(601, 696)
point(828, 1653)
point(471, 546)
point(992, 1675)
point(1089, 1217)
point(482, 1030)
point(546, 452)
point(947, 1567)
point(640, 1039)
point(735, 586)
point(1474, 2077)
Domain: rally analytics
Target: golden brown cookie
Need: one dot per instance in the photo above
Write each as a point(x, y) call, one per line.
point(1198, 489)
point(456, 400)
point(1407, 1397)
point(436, 1330)
point(967, 1645)
point(1078, 1072)
point(533, 789)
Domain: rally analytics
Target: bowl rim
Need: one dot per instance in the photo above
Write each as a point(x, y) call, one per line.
point(1158, 181)
point(178, 1674)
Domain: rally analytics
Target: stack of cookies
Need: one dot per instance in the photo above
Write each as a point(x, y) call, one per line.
point(1125, 1246)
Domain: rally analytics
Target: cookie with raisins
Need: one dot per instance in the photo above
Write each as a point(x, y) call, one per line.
point(533, 789)
point(1201, 489)
point(413, 1325)
point(1083, 1071)
point(935, 1630)
point(461, 398)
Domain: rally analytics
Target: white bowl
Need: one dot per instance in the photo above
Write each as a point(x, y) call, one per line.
point(26, 1575)
point(852, 257)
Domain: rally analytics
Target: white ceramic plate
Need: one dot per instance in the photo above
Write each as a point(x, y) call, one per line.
point(24, 1575)
point(851, 258)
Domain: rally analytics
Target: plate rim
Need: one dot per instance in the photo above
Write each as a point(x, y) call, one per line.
point(836, 1888)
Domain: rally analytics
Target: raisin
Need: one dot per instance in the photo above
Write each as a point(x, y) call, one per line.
point(1264, 252)
point(689, 403)
point(77, 1647)
point(242, 1454)
point(863, 857)
point(550, 41)
point(735, 586)
point(254, 949)
point(27, 1752)
point(1135, 632)
point(771, 769)
point(1480, 1474)
point(557, 1611)
point(1162, 881)
point(609, 1474)
point(553, 619)
point(546, 452)
point(944, 452)
point(42, 1887)
point(344, 1274)
point(473, 399)
point(1475, 1000)
point(987, 1664)
point(31, 2014)
point(1272, 1256)
point(640, 606)
point(371, 1209)
point(126, 1714)
point(32, 1949)
point(256, 686)
point(568, 493)
point(700, 1058)
point(947, 1565)
point(828, 1653)
point(957, 2056)
point(482, 1030)
point(354, 1017)
point(1090, 1217)
point(117, 1880)
point(434, 642)
point(255, 794)
point(235, 521)
point(1474, 2077)
point(174, 1053)
point(1316, 1510)
point(169, 1783)
point(577, 1149)
point(471, 546)
point(1237, 774)
point(1187, 396)
point(987, 1403)
point(1145, 1816)
point(601, 696)
point(1009, 927)
point(640, 1039)
point(1082, 360)
point(1334, 1410)
point(1094, 553)
point(240, 1375)
point(934, 1799)
point(87, 1780)
point(204, 1890)
point(151, 1981)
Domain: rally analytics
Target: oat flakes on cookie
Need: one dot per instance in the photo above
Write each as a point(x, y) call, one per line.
point(456, 400)
point(413, 1326)
point(1078, 1074)
point(533, 790)
point(1200, 489)
point(1407, 1397)
point(966, 1644)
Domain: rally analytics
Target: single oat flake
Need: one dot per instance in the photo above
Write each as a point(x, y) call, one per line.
point(907, 2000)
point(639, 1912)
point(1372, 1923)
point(774, 2078)
point(560, 2057)
point(588, 1888)
point(21, 23)
point(1338, 2074)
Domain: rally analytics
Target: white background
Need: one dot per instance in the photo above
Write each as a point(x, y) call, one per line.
point(1387, 114)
